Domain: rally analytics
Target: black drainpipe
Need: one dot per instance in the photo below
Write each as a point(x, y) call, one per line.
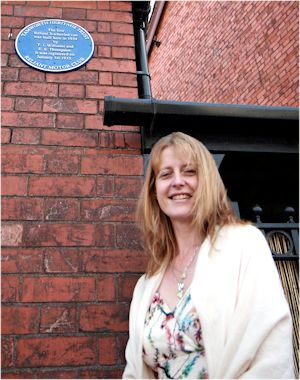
point(140, 10)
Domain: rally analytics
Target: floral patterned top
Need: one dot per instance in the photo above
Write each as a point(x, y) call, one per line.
point(172, 343)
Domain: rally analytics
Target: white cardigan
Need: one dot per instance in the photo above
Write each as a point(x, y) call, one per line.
point(245, 319)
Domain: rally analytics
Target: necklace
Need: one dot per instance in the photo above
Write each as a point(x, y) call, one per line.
point(181, 280)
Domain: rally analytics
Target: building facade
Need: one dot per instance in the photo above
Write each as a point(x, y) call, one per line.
point(71, 252)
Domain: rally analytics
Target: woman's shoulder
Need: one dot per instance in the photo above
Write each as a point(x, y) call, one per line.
point(240, 230)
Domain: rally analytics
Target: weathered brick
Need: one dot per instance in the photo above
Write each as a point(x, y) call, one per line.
point(9, 74)
point(9, 288)
point(5, 135)
point(72, 121)
point(102, 373)
point(58, 319)
point(122, 28)
point(128, 236)
point(103, 27)
point(77, 351)
point(70, 105)
point(11, 234)
point(81, 77)
point(31, 89)
point(62, 260)
point(128, 187)
point(107, 350)
point(108, 210)
point(109, 16)
point(22, 163)
point(114, 65)
point(71, 91)
point(124, 80)
point(62, 186)
point(73, 14)
point(113, 39)
point(31, 11)
point(119, 165)
point(104, 318)
point(105, 235)
point(13, 185)
point(30, 75)
point(69, 138)
point(61, 209)
point(22, 260)
point(22, 208)
point(114, 260)
point(46, 235)
point(121, 6)
point(7, 352)
point(75, 4)
point(58, 289)
point(7, 104)
point(105, 79)
point(26, 136)
point(106, 288)
point(99, 92)
point(66, 163)
point(24, 119)
point(19, 320)
point(105, 186)
point(29, 104)
point(12, 22)
point(103, 52)
point(126, 286)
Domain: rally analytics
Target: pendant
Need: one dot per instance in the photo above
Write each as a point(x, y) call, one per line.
point(180, 287)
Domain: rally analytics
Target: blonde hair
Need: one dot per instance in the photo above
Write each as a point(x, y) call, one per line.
point(211, 207)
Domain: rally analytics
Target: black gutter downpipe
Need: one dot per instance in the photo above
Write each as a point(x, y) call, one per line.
point(140, 11)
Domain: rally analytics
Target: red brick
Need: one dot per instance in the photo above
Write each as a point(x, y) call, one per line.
point(120, 6)
point(7, 104)
point(9, 74)
point(58, 289)
point(42, 352)
point(63, 260)
point(12, 22)
point(69, 138)
point(120, 79)
point(30, 75)
point(19, 320)
point(22, 163)
point(81, 77)
point(24, 119)
point(7, 353)
point(122, 28)
point(62, 186)
point(46, 235)
point(61, 209)
point(115, 65)
point(113, 39)
point(105, 79)
point(28, 11)
point(128, 187)
point(105, 164)
point(75, 4)
point(4, 59)
point(104, 51)
point(73, 14)
point(7, 47)
point(107, 350)
point(70, 121)
point(66, 163)
point(105, 235)
point(103, 27)
point(22, 208)
point(104, 186)
point(29, 104)
point(11, 234)
point(70, 105)
point(31, 89)
point(9, 288)
point(71, 91)
point(114, 260)
point(99, 92)
point(109, 16)
point(106, 288)
point(13, 185)
point(107, 210)
point(102, 373)
point(128, 236)
point(6, 9)
point(93, 122)
point(58, 319)
point(22, 260)
point(126, 286)
point(104, 318)
point(5, 135)
point(26, 136)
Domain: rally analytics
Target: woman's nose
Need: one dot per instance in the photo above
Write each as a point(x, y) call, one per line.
point(178, 179)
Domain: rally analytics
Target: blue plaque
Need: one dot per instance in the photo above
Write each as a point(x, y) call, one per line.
point(54, 45)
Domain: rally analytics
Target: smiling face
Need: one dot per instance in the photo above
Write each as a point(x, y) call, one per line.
point(175, 183)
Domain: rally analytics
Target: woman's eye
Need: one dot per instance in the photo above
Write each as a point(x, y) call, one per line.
point(190, 171)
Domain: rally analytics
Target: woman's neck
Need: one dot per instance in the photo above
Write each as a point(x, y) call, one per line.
point(187, 238)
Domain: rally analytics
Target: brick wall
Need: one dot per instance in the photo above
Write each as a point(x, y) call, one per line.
point(243, 52)
point(71, 253)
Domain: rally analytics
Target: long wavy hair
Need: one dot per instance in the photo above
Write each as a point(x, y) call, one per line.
point(211, 207)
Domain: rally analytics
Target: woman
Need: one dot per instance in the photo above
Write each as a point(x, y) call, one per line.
point(211, 304)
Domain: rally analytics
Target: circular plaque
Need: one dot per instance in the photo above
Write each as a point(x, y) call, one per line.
point(54, 45)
